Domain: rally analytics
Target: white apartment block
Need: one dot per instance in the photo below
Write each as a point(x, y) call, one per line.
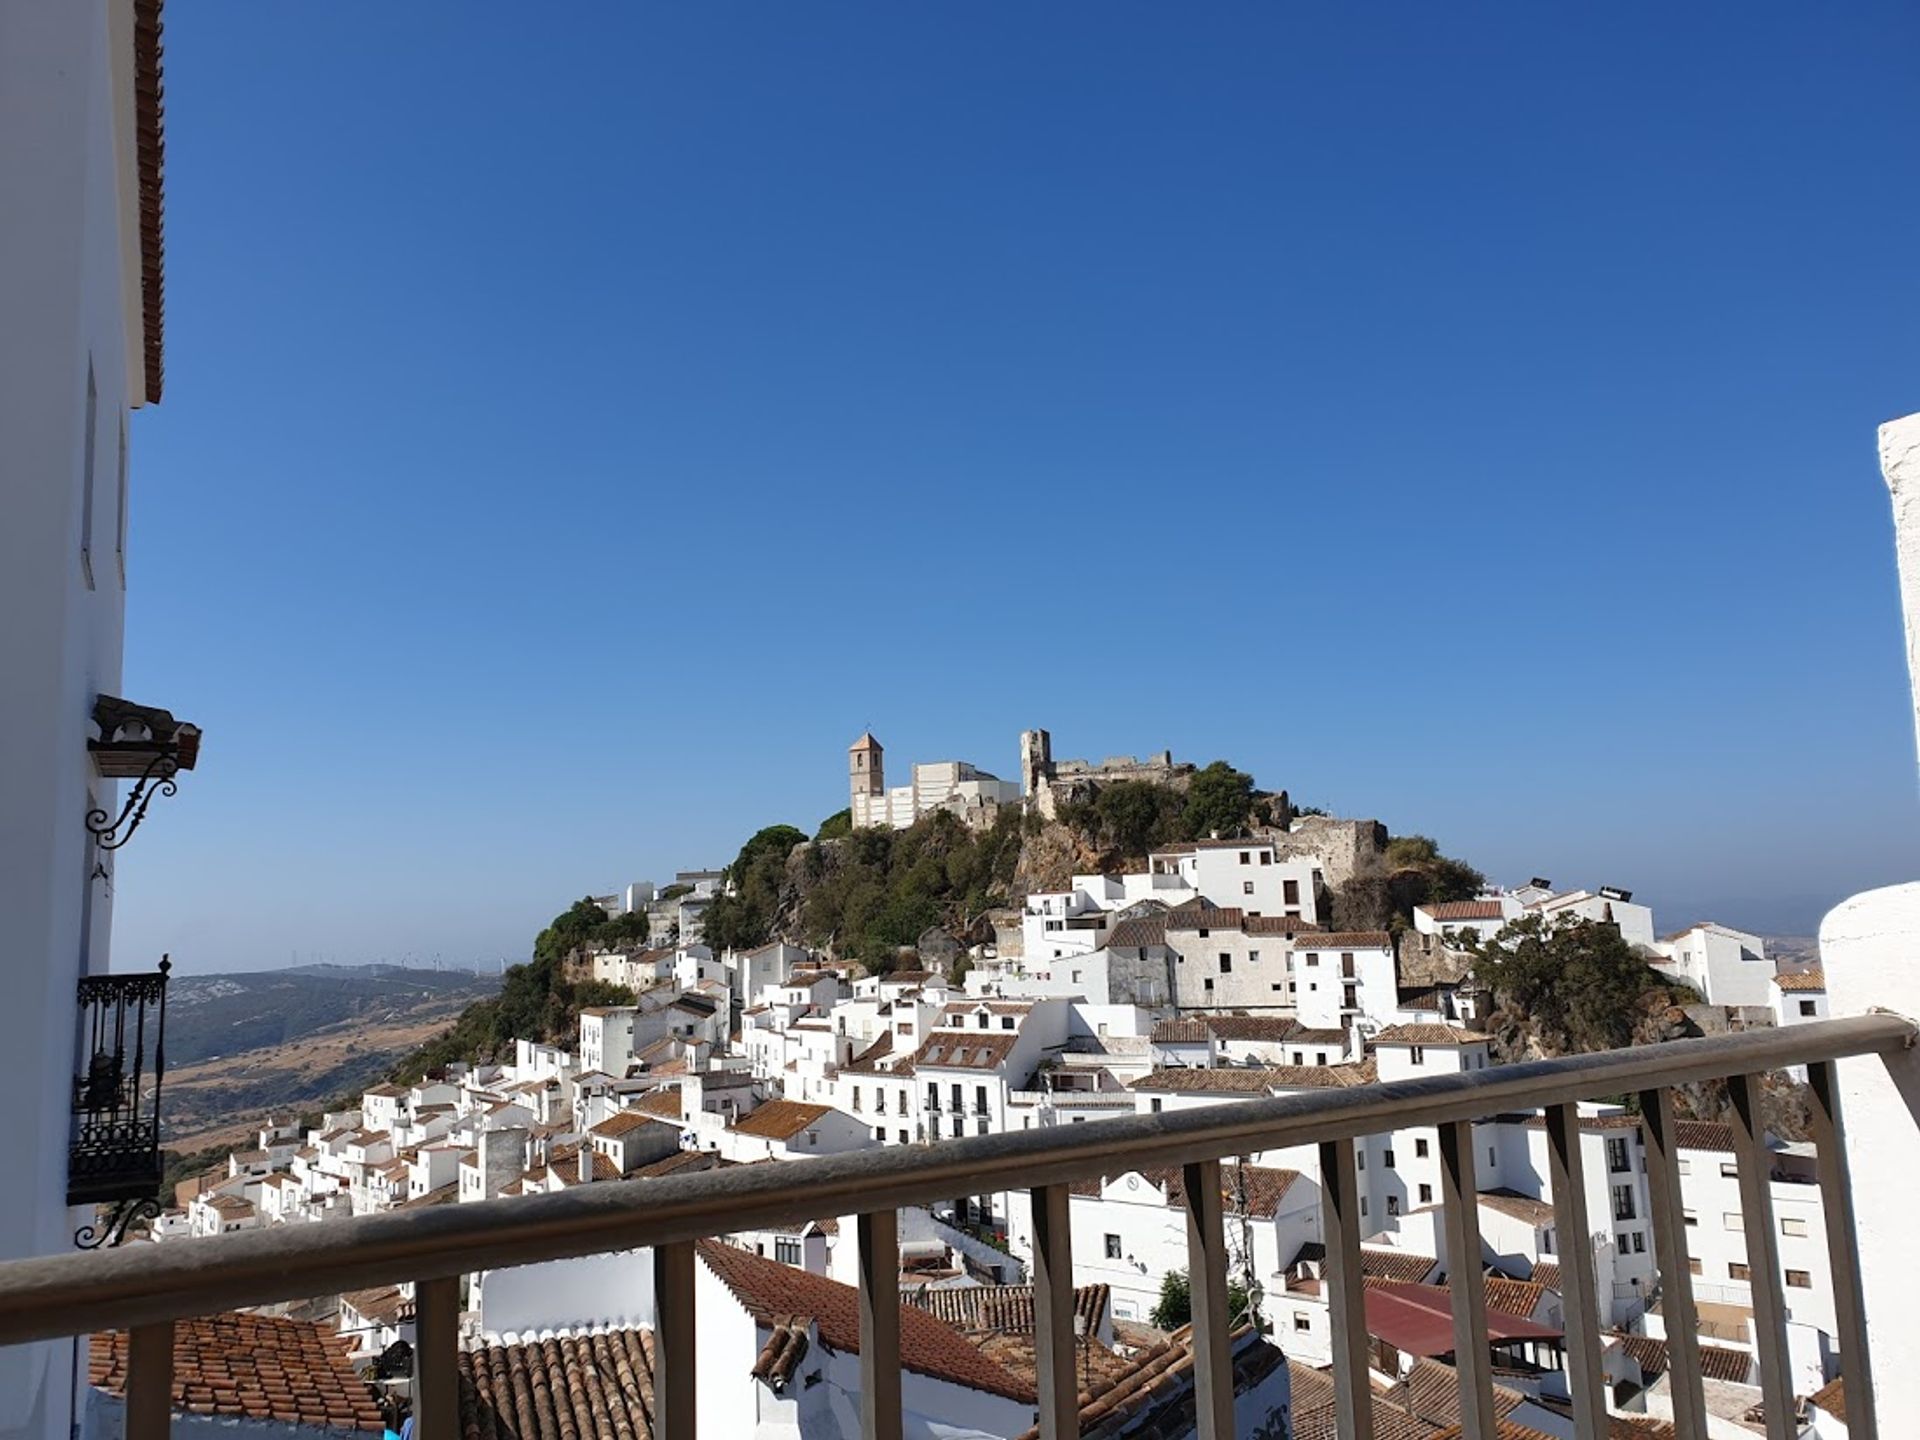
point(1726, 966)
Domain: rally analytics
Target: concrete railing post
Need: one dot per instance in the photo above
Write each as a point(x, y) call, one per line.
point(1870, 947)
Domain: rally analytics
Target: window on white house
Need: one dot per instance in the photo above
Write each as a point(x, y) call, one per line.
point(1737, 1270)
point(1729, 1170)
point(1732, 1220)
point(1154, 1105)
point(1313, 958)
point(1387, 1158)
point(1806, 1007)
point(1209, 984)
point(1114, 1252)
point(1253, 957)
point(1792, 1225)
point(1246, 857)
point(1639, 1243)
point(1687, 1217)
point(1266, 857)
point(1416, 1054)
point(1799, 1280)
point(1393, 1204)
point(1302, 1321)
point(787, 1252)
point(1226, 963)
point(1426, 1194)
point(1420, 1149)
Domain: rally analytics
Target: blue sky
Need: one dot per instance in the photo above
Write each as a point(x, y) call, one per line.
point(578, 428)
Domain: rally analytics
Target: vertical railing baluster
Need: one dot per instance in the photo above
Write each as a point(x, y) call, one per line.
point(1566, 1172)
point(879, 1243)
point(1843, 1257)
point(436, 1396)
point(1763, 1255)
point(1681, 1322)
point(1460, 1190)
point(1207, 1283)
point(674, 1374)
point(1346, 1291)
point(149, 1381)
point(1053, 1336)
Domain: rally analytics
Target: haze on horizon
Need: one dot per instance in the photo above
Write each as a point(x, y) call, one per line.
point(577, 434)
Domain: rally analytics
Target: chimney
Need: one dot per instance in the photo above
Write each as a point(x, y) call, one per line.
point(503, 1159)
point(586, 1162)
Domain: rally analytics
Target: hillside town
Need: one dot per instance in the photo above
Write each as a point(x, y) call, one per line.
point(1208, 977)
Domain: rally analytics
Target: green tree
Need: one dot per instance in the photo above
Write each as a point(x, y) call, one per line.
point(1219, 800)
point(1175, 1305)
point(572, 927)
point(835, 825)
point(1577, 982)
point(1135, 815)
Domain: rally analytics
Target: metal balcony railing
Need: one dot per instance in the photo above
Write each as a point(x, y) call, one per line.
point(147, 1289)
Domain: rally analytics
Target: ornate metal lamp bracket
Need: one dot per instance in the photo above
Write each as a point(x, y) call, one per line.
point(92, 1237)
point(156, 779)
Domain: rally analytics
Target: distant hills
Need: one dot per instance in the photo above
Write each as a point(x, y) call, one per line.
point(244, 1044)
point(214, 1015)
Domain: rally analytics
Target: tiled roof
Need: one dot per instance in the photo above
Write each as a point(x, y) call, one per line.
point(1257, 1079)
point(770, 1290)
point(688, 1160)
point(1716, 1361)
point(1814, 980)
point(1547, 1273)
point(1252, 1081)
point(1004, 1307)
point(1515, 1297)
point(1281, 925)
point(571, 1387)
point(786, 1347)
point(1347, 940)
point(867, 1062)
point(1137, 933)
point(1465, 910)
point(780, 1119)
point(662, 1104)
point(965, 1049)
point(1402, 1267)
point(252, 1367)
point(1518, 1206)
point(1832, 1398)
point(626, 1122)
point(1702, 1135)
point(150, 152)
point(1181, 1032)
point(383, 1306)
point(1429, 1035)
point(1154, 1395)
point(1204, 917)
point(1251, 1027)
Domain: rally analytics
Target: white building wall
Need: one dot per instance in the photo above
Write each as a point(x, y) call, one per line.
point(69, 293)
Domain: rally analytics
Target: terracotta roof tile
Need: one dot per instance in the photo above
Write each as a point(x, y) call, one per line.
point(574, 1387)
point(1717, 1362)
point(1465, 910)
point(1702, 1135)
point(1004, 1307)
point(1137, 933)
point(1832, 1398)
point(1810, 981)
point(780, 1119)
point(1154, 1395)
point(252, 1367)
point(1347, 940)
point(625, 1122)
point(965, 1050)
point(770, 1290)
point(1429, 1035)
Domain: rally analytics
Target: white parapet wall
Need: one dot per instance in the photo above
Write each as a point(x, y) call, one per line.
point(1870, 948)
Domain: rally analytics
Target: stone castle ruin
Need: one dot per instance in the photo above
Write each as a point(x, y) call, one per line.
point(1047, 783)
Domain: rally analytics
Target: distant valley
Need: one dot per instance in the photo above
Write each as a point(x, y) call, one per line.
point(242, 1044)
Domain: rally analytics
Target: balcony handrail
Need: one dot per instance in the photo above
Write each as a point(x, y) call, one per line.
point(72, 1294)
